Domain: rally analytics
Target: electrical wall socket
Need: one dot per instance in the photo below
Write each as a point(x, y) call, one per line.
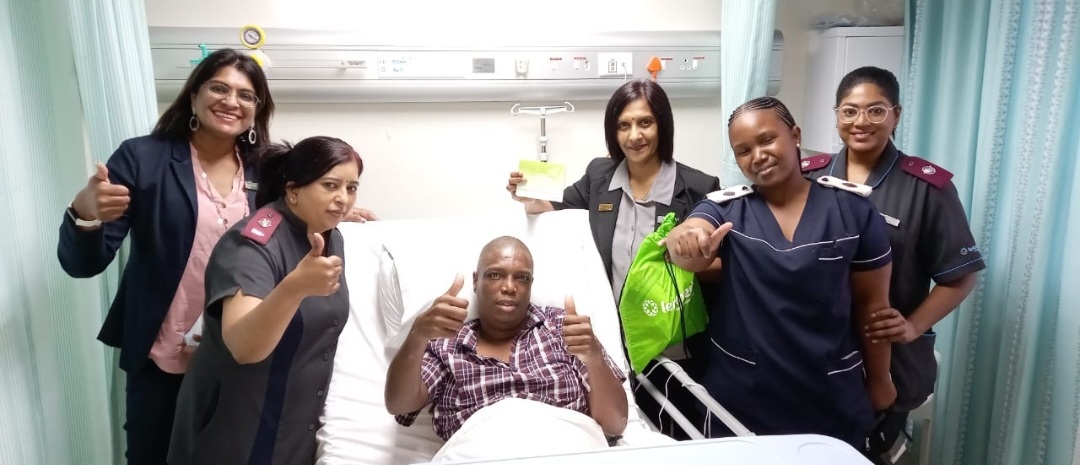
point(615, 64)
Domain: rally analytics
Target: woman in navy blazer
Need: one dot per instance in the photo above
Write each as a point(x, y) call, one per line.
point(152, 187)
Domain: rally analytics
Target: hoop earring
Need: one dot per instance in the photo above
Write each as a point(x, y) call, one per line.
point(251, 135)
point(193, 123)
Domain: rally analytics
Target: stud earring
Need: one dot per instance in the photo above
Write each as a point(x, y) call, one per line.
point(292, 199)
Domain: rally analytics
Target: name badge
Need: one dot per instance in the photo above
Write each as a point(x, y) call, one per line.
point(892, 221)
point(251, 186)
point(606, 207)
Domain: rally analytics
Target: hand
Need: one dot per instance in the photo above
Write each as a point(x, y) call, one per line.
point(517, 178)
point(360, 215)
point(100, 199)
point(446, 316)
point(882, 393)
point(694, 242)
point(189, 349)
point(889, 325)
point(317, 275)
point(578, 335)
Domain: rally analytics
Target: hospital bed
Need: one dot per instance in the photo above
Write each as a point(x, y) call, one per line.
point(395, 268)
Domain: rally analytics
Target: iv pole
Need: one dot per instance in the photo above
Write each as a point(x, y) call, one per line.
point(543, 111)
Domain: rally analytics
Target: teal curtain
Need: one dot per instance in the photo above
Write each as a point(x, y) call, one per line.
point(992, 92)
point(746, 41)
point(111, 46)
point(65, 95)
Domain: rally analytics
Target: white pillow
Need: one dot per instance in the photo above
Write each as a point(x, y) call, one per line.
point(388, 292)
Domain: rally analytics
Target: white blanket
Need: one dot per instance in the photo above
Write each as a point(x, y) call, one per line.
point(513, 428)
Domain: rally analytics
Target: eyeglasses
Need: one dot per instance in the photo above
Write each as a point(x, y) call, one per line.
point(220, 90)
point(874, 114)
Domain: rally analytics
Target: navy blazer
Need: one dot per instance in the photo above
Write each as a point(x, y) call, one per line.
point(592, 190)
point(161, 219)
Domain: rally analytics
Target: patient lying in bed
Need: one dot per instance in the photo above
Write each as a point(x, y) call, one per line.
point(514, 350)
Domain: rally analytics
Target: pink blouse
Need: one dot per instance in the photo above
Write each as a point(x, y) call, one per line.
point(216, 214)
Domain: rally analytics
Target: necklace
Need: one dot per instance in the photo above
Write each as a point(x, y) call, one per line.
point(216, 198)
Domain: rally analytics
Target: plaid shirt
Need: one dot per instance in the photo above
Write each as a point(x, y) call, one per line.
point(460, 382)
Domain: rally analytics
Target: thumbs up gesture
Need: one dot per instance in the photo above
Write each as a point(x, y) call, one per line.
point(690, 241)
point(446, 316)
point(101, 199)
point(578, 335)
point(317, 275)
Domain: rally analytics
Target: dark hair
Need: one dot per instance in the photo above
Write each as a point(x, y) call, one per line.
point(658, 102)
point(882, 78)
point(300, 164)
point(765, 103)
point(174, 122)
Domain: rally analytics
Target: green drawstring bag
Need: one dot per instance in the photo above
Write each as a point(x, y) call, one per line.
point(661, 303)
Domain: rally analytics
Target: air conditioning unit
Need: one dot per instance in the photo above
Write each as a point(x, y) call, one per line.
point(307, 66)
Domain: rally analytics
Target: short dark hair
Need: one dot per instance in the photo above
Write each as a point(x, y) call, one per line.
point(300, 164)
point(882, 78)
point(174, 122)
point(658, 102)
point(765, 103)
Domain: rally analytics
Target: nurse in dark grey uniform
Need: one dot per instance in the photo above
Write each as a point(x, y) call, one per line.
point(927, 227)
point(276, 302)
point(800, 264)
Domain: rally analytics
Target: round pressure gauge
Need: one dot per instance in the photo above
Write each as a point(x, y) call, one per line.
point(252, 36)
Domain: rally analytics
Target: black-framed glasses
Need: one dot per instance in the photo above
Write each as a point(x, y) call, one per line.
point(220, 90)
point(874, 114)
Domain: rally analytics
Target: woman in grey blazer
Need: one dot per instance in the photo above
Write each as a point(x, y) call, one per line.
point(631, 190)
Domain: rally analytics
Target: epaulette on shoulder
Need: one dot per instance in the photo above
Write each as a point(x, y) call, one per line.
point(815, 162)
point(730, 193)
point(262, 225)
point(929, 172)
point(853, 187)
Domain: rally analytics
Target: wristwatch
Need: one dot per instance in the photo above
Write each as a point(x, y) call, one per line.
point(81, 222)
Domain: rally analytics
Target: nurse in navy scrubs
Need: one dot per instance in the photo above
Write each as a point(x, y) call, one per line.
point(800, 264)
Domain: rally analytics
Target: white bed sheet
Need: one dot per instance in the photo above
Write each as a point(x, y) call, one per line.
point(796, 449)
point(357, 429)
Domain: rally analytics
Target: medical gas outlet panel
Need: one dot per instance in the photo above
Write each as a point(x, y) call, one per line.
point(544, 65)
point(320, 66)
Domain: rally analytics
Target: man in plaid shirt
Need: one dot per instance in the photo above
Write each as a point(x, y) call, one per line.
point(514, 349)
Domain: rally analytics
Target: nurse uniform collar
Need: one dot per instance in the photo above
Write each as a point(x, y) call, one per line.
point(853, 187)
point(730, 193)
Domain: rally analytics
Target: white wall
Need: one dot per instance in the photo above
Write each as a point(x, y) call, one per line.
point(793, 18)
point(440, 160)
